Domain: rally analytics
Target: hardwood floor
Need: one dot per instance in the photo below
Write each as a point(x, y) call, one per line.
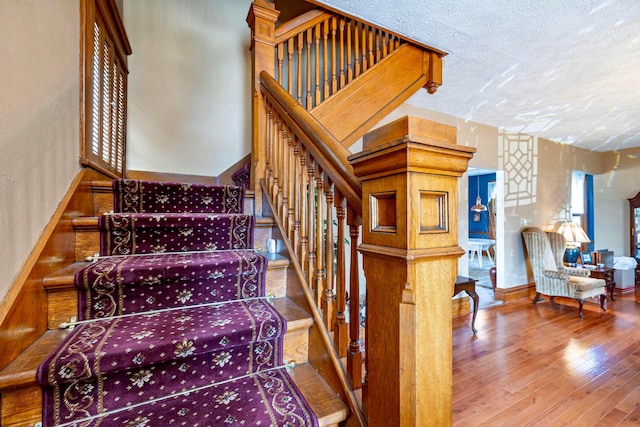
point(543, 366)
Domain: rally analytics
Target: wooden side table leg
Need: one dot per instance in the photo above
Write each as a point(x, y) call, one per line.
point(610, 287)
point(476, 301)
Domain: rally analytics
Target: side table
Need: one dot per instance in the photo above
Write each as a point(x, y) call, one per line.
point(605, 273)
point(468, 285)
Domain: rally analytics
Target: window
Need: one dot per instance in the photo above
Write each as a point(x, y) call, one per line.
point(104, 81)
point(582, 201)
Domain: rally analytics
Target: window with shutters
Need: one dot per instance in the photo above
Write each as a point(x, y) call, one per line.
point(104, 52)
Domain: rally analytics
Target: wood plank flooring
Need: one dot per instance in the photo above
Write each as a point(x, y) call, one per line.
point(544, 366)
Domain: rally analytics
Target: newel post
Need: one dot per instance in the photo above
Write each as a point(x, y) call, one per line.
point(409, 171)
point(261, 19)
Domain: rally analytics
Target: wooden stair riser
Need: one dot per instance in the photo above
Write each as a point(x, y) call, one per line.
point(21, 406)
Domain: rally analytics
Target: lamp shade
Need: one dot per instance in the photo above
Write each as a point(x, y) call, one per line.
point(573, 233)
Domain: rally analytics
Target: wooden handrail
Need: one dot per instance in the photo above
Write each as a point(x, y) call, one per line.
point(324, 147)
point(300, 23)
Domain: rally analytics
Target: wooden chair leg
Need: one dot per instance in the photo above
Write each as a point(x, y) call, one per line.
point(581, 302)
point(536, 298)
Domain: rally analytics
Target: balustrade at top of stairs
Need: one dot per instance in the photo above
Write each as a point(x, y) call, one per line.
point(175, 324)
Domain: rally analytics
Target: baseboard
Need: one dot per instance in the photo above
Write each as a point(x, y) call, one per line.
point(515, 293)
point(460, 306)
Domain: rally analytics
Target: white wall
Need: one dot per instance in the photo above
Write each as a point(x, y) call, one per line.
point(611, 191)
point(39, 121)
point(189, 104)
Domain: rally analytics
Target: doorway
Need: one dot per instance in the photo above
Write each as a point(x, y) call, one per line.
point(483, 231)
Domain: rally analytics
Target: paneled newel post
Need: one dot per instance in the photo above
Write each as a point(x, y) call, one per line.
point(409, 171)
point(261, 19)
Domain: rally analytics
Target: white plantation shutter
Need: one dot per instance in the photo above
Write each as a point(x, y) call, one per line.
point(105, 94)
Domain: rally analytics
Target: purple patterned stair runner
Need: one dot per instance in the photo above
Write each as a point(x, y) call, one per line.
point(208, 350)
point(127, 234)
point(137, 196)
point(117, 285)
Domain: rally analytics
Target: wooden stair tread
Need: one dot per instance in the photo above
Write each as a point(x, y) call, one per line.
point(63, 278)
point(296, 317)
point(324, 402)
point(22, 371)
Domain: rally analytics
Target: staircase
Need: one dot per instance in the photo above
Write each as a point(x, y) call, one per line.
point(109, 371)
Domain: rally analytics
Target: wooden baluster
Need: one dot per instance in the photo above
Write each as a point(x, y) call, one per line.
point(334, 79)
point(309, 105)
point(385, 45)
point(356, 54)
point(320, 237)
point(340, 331)
point(325, 60)
point(304, 189)
point(350, 65)
point(378, 35)
point(274, 146)
point(280, 53)
point(278, 167)
point(364, 39)
point(283, 207)
point(269, 140)
point(371, 33)
point(354, 356)
point(290, 52)
point(342, 77)
point(390, 47)
point(311, 224)
point(328, 304)
point(316, 66)
point(293, 180)
point(299, 65)
point(295, 202)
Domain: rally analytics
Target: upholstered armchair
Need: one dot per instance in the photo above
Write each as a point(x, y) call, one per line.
point(544, 252)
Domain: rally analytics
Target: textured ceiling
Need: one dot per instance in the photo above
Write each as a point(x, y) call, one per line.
point(566, 70)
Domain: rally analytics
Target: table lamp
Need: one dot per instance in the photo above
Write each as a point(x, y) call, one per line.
point(574, 235)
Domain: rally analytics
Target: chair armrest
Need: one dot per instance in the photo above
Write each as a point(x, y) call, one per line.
point(580, 272)
point(556, 274)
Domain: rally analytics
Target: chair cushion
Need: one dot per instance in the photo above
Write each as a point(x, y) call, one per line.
point(586, 283)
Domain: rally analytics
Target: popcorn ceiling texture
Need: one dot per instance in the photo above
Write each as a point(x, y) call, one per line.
point(566, 70)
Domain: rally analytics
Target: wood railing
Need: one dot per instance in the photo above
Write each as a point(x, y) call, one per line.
point(317, 196)
point(319, 53)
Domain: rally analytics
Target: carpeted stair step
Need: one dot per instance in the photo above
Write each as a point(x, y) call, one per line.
point(266, 398)
point(18, 380)
point(103, 198)
point(122, 361)
point(104, 346)
point(129, 234)
point(119, 285)
point(88, 235)
point(138, 196)
point(22, 396)
point(63, 299)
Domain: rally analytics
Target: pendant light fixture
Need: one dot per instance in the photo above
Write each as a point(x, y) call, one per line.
point(478, 207)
